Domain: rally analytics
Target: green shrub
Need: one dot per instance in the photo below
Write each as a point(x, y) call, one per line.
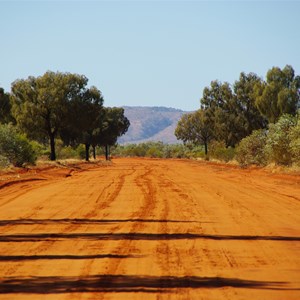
point(39, 149)
point(279, 143)
point(154, 152)
point(251, 149)
point(4, 162)
point(67, 152)
point(294, 136)
point(15, 147)
point(80, 151)
point(219, 151)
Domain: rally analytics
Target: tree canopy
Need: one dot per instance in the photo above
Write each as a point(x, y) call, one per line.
point(114, 125)
point(195, 128)
point(232, 113)
point(41, 105)
point(279, 94)
point(5, 108)
point(84, 119)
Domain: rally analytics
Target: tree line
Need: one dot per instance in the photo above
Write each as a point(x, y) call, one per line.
point(230, 113)
point(61, 105)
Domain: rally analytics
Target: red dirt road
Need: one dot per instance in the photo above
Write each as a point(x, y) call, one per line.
point(152, 229)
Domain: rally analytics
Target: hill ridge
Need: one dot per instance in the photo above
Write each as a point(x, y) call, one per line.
point(151, 123)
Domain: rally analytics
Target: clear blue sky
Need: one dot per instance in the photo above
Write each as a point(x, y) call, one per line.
point(149, 53)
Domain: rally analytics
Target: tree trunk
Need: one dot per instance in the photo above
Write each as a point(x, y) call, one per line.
point(106, 152)
point(87, 152)
point(52, 147)
point(205, 148)
point(94, 152)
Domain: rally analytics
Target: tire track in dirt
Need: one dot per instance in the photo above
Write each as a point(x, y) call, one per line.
point(156, 198)
point(43, 246)
point(106, 197)
point(170, 257)
point(220, 256)
point(143, 182)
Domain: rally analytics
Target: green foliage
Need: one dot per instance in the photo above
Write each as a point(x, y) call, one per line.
point(41, 105)
point(15, 146)
point(63, 151)
point(114, 125)
point(60, 106)
point(232, 114)
point(80, 151)
point(4, 162)
point(39, 149)
point(5, 108)
point(279, 94)
point(84, 119)
point(278, 143)
point(154, 152)
point(294, 136)
point(244, 100)
point(159, 150)
point(219, 151)
point(251, 150)
point(195, 128)
point(67, 152)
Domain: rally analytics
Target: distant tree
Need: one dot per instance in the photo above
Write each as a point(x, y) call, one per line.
point(195, 128)
point(220, 105)
point(5, 108)
point(233, 113)
point(251, 118)
point(85, 115)
point(279, 95)
point(41, 105)
point(114, 125)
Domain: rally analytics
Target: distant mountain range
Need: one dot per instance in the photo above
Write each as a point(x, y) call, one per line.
point(151, 124)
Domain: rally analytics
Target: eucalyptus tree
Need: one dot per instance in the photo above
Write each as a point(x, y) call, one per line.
point(85, 115)
point(220, 105)
point(114, 125)
point(244, 98)
point(195, 128)
point(41, 104)
point(279, 94)
point(5, 108)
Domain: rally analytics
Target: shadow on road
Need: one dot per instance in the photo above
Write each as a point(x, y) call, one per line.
point(124, 283)
point(138, 236)
point(52, 257)
point(86, 221)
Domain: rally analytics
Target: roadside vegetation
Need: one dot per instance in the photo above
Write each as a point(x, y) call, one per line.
point(57, 116)
point(253, 121)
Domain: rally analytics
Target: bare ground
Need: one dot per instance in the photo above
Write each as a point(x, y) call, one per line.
point(150, 229)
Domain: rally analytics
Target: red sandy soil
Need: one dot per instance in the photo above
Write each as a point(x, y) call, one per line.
point(149, 229)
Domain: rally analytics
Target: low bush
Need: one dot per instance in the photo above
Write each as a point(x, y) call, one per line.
point(4, 162)
point(67, 152)
point(278, 143)
point(150, 149)
point(294, 136)
point(80, 151)
point(251, 150)
point(218, 150)
point(15, 147)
